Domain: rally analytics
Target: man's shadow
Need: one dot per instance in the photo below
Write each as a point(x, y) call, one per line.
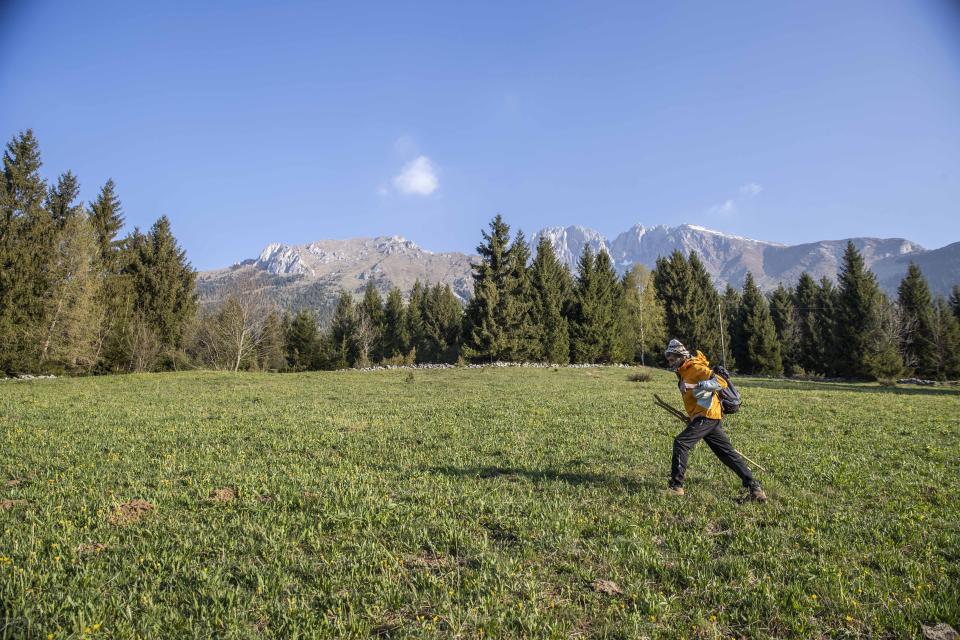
point(495, 472)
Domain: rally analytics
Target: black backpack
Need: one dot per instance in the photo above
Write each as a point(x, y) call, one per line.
point(730, 399)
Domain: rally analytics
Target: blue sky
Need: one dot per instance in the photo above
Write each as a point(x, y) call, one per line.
point(252, 122)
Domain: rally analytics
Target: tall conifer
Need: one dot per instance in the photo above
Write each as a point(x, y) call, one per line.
point(548, 278)
point(805, 302)
point(396, 338)
point(916, 305)
point(783, 313)
point(759, 350)
point(856, 315)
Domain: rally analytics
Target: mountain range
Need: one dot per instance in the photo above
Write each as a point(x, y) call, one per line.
point(311, 275)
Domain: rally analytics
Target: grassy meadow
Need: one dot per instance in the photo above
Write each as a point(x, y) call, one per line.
point(467, 503)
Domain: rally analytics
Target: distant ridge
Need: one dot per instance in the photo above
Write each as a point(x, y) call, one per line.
point(311, 275)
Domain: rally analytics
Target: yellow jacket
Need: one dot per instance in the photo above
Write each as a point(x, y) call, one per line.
point(702, 401)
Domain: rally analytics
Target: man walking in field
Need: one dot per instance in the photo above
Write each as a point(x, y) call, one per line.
point(698, 386)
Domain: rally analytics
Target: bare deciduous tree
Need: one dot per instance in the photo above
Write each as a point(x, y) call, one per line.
point(234, 333)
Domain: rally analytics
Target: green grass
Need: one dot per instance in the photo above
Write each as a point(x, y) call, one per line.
point(470, 503)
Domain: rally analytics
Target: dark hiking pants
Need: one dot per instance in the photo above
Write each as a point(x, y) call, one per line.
point(711, 431)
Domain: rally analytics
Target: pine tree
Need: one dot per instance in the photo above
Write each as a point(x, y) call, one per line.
point(61, 200)
point(550, 281)
point(522, 332)
point(808, 345)
point(415, 321)
point(396, 338)
point(856, 315)
point(916, 305)
point(107, 220)
point(442, 319)
point(342, 330)
point(593, 329)
point(486, 336)
point(28, 240)
point(730, 306)
point(759, 351)
point(302, 341)
point(946, 331)
point(372, 307)
point(116, 293)
point(164, 285)
point(705, 310)
point(783, 314)
point(674, 284)
point(827, 302)
point(955, 300)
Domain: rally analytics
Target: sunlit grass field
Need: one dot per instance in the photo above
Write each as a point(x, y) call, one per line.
point(468, 503)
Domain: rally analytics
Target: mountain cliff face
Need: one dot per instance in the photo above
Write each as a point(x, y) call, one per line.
point(729, 257)
point(311, 275)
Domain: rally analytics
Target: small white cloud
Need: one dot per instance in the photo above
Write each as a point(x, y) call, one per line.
point(383, 191)
point(751, 189)
point(419, 177)
point(727, 207)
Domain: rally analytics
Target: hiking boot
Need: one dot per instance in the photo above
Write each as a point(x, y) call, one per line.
point(757, 494)
point(675, 491)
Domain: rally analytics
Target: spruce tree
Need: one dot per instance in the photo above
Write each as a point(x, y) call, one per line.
point(946, 328)
point(164, 285)
point(107, 220)
point(62, 200)
point(372, 308)
point(955, 300)
point(442, 319)
point(486, 329)
point(302, 341)
point(594, 324)
point(783, 314)
point(808, 345)
point(759, 351)
point(396, 339)
point(827, 349)
point(918, 340)
point(522, 332)
point(416, 328)
point(730, 305)
point(674, 284)
point(547, 277)
point(28, 239)
point(856, 315)
point(705, 310)
point(342, 329)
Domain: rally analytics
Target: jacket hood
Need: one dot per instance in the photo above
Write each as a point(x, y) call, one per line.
point(698, 359)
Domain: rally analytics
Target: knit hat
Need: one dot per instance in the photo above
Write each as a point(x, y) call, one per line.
point(676, 347)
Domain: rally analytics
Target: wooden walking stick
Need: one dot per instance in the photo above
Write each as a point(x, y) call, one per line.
point(672, 410)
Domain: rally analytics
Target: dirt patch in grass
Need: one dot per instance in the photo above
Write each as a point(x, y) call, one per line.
point(91, 547)
point(606, 587)
point(432, 561)
point(13, 482)
point(7, 505)
point(265, 498)
point(223, 494)
point(130, 512)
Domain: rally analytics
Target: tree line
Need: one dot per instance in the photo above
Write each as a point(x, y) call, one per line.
point(77, 298)
point(74, 296)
